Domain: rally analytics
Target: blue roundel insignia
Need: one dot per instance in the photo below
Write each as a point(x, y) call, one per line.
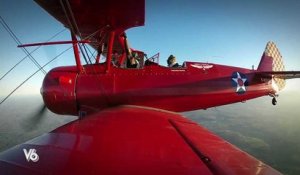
point(239, 82)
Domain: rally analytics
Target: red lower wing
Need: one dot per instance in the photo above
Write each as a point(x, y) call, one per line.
point(131, 140)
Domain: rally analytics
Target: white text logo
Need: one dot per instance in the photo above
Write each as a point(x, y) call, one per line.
point(31, 155)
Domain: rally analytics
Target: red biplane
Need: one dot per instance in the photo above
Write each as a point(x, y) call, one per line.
point(127, 122)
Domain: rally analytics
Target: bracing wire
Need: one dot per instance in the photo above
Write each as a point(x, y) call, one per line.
point(33, 75)
point(75, 29)
point(92, 53)
point(73, 18)
point(11, 33)
point(70, 24)
point(88, 56)
point(41, 69)
point(30, 53)
point(83, 54)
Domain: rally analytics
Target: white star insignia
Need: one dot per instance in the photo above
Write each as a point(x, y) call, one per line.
point(240, 82)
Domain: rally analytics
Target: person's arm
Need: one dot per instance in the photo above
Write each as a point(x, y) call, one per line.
point(127, 48)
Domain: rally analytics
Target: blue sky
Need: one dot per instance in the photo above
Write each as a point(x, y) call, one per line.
point(227, 32)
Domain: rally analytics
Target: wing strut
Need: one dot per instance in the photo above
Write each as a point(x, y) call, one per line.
point(109, 50)
point(100, 51)
point(76, 53)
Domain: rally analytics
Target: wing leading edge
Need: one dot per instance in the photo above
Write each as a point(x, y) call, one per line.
point(131, 140)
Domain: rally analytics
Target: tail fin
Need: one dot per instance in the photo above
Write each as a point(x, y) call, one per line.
point(271, 61)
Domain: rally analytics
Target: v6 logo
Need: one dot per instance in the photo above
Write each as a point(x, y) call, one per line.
point(31, 155)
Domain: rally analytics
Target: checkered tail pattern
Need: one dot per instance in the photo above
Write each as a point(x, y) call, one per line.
point(277, 63)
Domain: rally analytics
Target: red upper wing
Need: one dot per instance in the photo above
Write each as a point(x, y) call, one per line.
point(96, 17)
point(131, 140)
point(92, 15)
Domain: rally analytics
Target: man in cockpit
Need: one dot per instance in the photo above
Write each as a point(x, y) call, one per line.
point(172, 61)
point(133, 61)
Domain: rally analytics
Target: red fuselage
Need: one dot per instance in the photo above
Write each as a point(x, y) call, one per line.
point(194, 86)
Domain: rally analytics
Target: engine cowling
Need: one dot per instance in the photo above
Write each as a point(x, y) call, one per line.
point(59, 90)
